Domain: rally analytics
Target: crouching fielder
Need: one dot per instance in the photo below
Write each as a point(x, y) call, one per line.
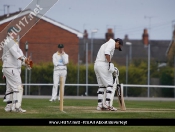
point(104, 69)
point(13, 58)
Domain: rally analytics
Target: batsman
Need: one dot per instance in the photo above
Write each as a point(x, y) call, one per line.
point(104, 70)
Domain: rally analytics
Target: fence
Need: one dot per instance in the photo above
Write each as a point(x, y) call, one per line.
point(125, 86)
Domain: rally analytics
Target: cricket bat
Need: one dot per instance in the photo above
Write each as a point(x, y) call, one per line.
point(119, 92)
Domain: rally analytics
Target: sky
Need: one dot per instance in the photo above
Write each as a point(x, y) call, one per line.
point(125, 17)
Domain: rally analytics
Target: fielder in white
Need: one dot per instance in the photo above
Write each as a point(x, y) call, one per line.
point(104, 69)
point(60, 60)
point(13, 58)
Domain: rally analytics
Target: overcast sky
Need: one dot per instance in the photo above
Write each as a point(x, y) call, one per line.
point(123, 16)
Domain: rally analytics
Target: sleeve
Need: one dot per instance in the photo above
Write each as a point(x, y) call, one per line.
point(65, 58)
point(110, 46)
point(21, 53)
point(13, 51)
point(55, 62)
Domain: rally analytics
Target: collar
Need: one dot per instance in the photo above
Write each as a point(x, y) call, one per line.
point(15, 41)
point(60, 53)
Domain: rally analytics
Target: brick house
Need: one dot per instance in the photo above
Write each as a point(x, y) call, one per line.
point(44, 37)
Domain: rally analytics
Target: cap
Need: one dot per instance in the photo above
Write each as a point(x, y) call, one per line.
point(120, 42)
point(60, 46)
point(12, 28)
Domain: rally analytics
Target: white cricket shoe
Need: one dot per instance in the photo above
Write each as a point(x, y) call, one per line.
point(58, 98)
point(100, 108)
point(20, 110)
point(111, 108)
point(51, 100)
point(8, 108)
point(106, 106)
point(5, 100)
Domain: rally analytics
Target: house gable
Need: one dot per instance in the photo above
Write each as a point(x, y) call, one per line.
point(44, 37)
point(25, 12)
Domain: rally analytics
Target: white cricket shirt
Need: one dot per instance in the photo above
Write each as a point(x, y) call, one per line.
point(11, 53)
point(106, 48)
point(60, 61)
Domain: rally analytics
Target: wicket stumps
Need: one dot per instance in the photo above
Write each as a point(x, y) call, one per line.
point(61, 93)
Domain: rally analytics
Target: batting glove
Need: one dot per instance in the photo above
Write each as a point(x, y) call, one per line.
point(111, 67)
point(116, 72)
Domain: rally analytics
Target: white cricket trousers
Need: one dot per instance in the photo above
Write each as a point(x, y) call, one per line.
point(13, 79)
point(14, 84)
point(104, 77)
point(56, 79)
point(105, 82)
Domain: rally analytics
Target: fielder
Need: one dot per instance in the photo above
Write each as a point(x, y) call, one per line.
point(60, 60)
point(13, 58)
point(104, 69)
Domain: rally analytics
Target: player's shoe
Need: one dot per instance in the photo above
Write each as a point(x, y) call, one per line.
point(51, 100)
point(19, 110)
point(106, 106)
point(111, 108)
point(5, 100)
point(8, 108)
point(101, 108)
point(58, 98)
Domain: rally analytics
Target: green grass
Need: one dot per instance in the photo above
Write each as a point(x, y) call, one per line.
point(74, 108)
point(88, 129)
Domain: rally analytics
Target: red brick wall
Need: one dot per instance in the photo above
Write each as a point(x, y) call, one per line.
point(43, 40)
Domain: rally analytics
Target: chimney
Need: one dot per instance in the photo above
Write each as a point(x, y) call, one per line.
point(126, 37)
point(109, 34)
point(174, 33)
point(85, 36)
point(145, 37)
point(8, 10)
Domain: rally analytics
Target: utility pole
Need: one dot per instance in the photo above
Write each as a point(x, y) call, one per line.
point(26, 49)
point(92, 44)
point(8, 9)
point(149, 44)
point(86, 69)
